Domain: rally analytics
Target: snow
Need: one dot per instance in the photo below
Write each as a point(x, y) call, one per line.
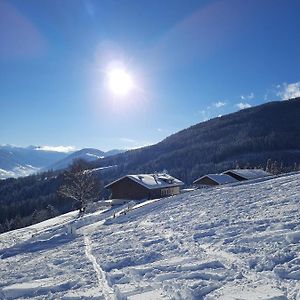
point(18, 171)
point(249, 173)
point(219, 178)
point(99, 169)
point(153, 181)
point(94, 156)
point(238, 241)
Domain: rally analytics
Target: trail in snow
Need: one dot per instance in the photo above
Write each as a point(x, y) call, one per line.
point(230, 242)
point(107, 291)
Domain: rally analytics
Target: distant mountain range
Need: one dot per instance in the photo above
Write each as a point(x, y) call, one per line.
point(19, 161)
point(88, 154)
point(249, 136)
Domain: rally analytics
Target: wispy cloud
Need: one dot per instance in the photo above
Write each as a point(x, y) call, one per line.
point(127, 140)
point(137, 146)
point(219, 104)
point(242, 105)
point(247, 97)
point(289, 90)
point(65, 149)
point(204, 115)
point(211, 111)
point(134, 144)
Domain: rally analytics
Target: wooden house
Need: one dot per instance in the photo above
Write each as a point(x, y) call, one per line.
point(144, 186)
point(247, 174)
point(213, 180)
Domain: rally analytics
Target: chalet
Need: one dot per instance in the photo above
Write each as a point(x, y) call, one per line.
point(213, 180)
point(144, 186)
point(247, 174)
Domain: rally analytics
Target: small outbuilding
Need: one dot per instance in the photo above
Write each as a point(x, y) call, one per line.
point(213, 180)
point(145, 186)
point(247, 174)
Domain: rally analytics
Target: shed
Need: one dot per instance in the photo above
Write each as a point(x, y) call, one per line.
point(247, 174)
point(214, 179)
point(144, 186)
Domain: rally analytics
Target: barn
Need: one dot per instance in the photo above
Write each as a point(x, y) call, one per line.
point(213, 180)
point(145, 186)
point(247, 174)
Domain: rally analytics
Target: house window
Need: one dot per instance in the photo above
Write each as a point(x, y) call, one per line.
point(166, 192)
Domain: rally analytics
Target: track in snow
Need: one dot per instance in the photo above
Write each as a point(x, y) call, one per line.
point(107, 291)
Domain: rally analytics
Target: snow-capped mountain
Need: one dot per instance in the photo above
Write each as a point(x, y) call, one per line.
point(237, 241)
point(23, 161)
point(88, 154)
point(19, 161)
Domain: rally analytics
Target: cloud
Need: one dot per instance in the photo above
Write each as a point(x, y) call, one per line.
point(219, 104)
point(247, 97)
point(127, 140)
point(242, 105)
point(204, 115)
point(145, 144)
point(65, 149)
point(289, 91)
point(134, 144)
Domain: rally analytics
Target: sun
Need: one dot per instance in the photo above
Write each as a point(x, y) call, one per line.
point(120, 82)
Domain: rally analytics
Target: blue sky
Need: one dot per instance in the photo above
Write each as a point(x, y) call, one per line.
point(189, 61)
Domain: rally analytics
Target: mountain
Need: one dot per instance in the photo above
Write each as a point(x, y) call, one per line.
point(238, 241)
point(113, 152)
point(250, 136)
point(23, 161)
point(19, 161)
point(88, 154)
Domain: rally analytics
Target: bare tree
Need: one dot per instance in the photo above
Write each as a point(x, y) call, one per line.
point(80, 184)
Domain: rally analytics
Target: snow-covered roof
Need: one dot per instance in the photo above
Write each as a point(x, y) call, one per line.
point(152, 181)
point(218, 178)
point(249, 173)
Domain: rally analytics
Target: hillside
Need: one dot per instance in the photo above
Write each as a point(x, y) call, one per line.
point(88, 154)
point(239, 240)
point(252, 135)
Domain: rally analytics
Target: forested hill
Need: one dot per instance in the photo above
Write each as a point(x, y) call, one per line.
point(252, 135)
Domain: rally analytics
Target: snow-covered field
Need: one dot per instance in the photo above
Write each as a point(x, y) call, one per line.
point(232, 242)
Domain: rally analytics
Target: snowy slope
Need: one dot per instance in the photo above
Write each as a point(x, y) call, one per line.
point(239, 241)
